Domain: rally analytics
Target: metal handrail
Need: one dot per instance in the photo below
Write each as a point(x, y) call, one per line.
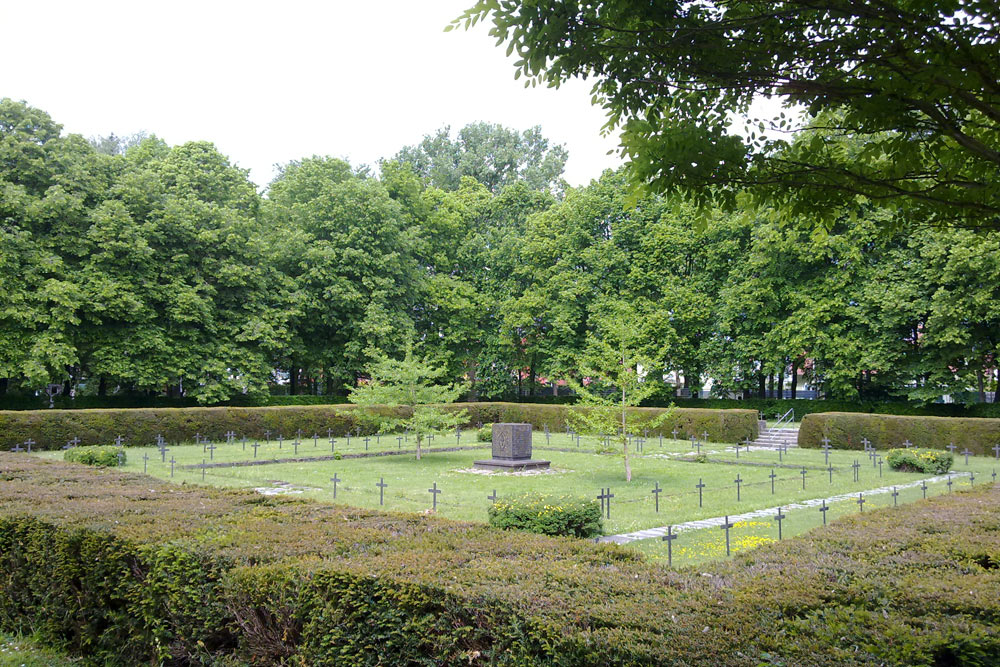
point(788, 417)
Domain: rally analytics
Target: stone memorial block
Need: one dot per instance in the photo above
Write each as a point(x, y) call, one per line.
point(511, 449)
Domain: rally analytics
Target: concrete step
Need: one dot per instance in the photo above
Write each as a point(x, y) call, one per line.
point(779, 437)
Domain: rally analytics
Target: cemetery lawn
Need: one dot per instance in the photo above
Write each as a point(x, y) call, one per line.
point(19, 652)
point(576, 470)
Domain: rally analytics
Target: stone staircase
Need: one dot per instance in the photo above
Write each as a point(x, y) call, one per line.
point(777, 437)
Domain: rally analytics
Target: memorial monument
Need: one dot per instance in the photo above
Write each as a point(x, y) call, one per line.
point(511, 449)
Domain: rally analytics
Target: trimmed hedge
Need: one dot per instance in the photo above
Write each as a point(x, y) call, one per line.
point(772, 406)
point(846, 431)
point(930, 461)
point(51, 429)
point(124, 569)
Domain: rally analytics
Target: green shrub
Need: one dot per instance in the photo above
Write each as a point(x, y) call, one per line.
point(485, 433)
point(564, 516)
point(847, 430)
point(52, 429)
point(97, 455)
point(931, 461)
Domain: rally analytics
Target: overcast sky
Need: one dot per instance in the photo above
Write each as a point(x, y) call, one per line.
point(276, 81)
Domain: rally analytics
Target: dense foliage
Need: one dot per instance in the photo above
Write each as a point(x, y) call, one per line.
point(52, 429)
point(142, 272)
point(929, 461)
point(900, 98)
point(849, 430)
point(561, 516)
point(97, 455)
point(125, 570)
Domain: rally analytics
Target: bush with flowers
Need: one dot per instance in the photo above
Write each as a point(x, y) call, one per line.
point(568, 516)
point(932, 461)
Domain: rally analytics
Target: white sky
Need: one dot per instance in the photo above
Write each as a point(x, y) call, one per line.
point(269, 82)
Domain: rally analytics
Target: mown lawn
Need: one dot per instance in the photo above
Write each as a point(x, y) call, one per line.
point(577, 469)
point(22, 652)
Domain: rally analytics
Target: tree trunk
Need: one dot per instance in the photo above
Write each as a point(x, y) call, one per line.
point(531, 378)
point(3, 386)
point(628, 464)
point(761, 385)
point(981, 385)
point(779, 382)
point(293, 381)
point(795, 377)
point(329, 381)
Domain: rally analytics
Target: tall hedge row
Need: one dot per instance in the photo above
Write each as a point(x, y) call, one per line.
point(124, 569)
point(846, 430)
point(51, 429)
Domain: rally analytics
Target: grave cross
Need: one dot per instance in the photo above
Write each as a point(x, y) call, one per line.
point(145, 460)
point(281, 441)
point(656, 495)
point(994, 475)
point(197, 439)
point(861, 502)
point(923, 487)
point(951, 448)
point(121, 458)
point(434, 491)
point(830, 470)
point(211, 451)
point(333, 445)
point(335, 479)
point(949, 483)
point(547, 435)
point(880, 467)
point(203, 470)
point(295, 445)
point(803, 473)
point(29, 442)
point(229, 435)
point(966, 452)
point(866, 442)
point(826, 449)
point(244, 441)
point(298, 433)
point(972, 478)
point(255, 446)
point(700, 485)
point(738, 481)
point(675, 432)
point(458, 437)
point(692, 441)
point(698, 445)
point(661, 441)
point(367, 440)
point(315, 440)
point(74, 442)
point(163, 451)
point(726, 526)
point(605, 498)
point(399, 443)
point(267, 436)
point(669, 539)
point(704, 436)
point(172, 462)
point(780, 450)
point(737, 450)
point(855, 465)
point(907, 444)
point(17, 448)
point(119, 441)
point(773, 477)
point(996, 451)
point(492, 497)
point(894, 494)
point(779, 517)
point(824, 509)
point(381, 490)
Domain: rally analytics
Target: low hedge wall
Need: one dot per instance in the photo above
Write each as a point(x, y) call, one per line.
point(51, 429)
point(124, 569)
point(846, 430)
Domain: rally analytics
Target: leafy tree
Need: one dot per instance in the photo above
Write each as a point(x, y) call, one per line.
point(414, 382)
point(494, 155)
point(619, 356)
point(914, 83)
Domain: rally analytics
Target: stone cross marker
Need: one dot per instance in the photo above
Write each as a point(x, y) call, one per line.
point(172, 462)
point(949, 483)
point(29, 442)
point(861, 502)
point(972, 478)
point(434, 491)
point(119, 441)
point(255, 446)
point(605, 498)
point(726, 526)
point(826, 450)
point(738, 481)
point(74, 442)
point(895, 495)
point(951, 448)
point(315, 440)
point(145, 461)
point(907, 444)
point(17, 448)
point(923, 487)
point(803, 473)
point(492, 497)
point(335, 479)
point(700, 485)
point(779, 517)
point(996, 452)
point(656, 495)
point(855, 465)
point(824, 509)
point(211, 451)
point(966, 452)
point(229, 436)
point(773, 477)
point(381, 490)
point(669, 538)
point(830, 470)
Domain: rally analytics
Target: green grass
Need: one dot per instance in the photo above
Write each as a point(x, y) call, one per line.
point(577, 470)
point(20, 652)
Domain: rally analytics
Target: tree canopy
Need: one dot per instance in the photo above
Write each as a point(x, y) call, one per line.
point(899, 100)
